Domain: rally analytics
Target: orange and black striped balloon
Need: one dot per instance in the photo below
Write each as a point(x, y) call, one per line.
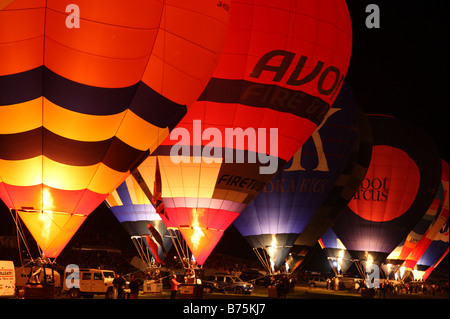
point(80, 105)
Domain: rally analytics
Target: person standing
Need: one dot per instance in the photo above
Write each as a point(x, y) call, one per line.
point(119, 285)
point(174, 286)
point(134, 288)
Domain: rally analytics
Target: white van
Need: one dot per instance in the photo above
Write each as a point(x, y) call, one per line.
point(7, 279)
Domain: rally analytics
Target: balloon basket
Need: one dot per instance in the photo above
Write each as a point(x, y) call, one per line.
point(39, 291)
point(191, 291)
point(152, 288)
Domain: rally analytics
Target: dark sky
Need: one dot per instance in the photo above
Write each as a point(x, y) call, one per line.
point(400, 69)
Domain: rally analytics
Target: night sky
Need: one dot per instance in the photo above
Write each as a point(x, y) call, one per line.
point(400, 69)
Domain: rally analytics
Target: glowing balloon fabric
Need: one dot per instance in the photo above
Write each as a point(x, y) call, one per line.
point(81, 105)
point(289, 57)
point(398, 188)
point(425, 258)
point(345, 186)
point(282, 67)
point(429, 269)
point(418, 239)
point(439, 225)
point(283, 209)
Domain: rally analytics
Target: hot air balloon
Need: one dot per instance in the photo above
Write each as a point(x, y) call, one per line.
point(345, 186)
point(138, 216)
point(281, 69)
point(416, 243)
point(283, 209)
point(430, 259)
point(438, 226)
point(399, 186)
point(437, 248)
point(87, 90)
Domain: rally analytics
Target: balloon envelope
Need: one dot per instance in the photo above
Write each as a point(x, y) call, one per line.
point(433, 253)
point(429, 259)
point(399, 186)
point(345, 186)
point(438, 224)
point(81, 105)
point(286, 205)
point(418, 239)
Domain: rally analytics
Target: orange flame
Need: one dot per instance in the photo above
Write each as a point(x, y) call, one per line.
point(198, 234)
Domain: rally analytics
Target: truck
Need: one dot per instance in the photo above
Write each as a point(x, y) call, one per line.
point(89, 282)
point(7, 279)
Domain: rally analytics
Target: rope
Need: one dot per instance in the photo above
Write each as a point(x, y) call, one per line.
point(183, 255)
point(264, 259)
point(19, 231)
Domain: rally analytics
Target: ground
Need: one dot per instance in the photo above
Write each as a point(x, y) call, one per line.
point(300, 292)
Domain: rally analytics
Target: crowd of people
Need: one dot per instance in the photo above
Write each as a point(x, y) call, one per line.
point(395, 287)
